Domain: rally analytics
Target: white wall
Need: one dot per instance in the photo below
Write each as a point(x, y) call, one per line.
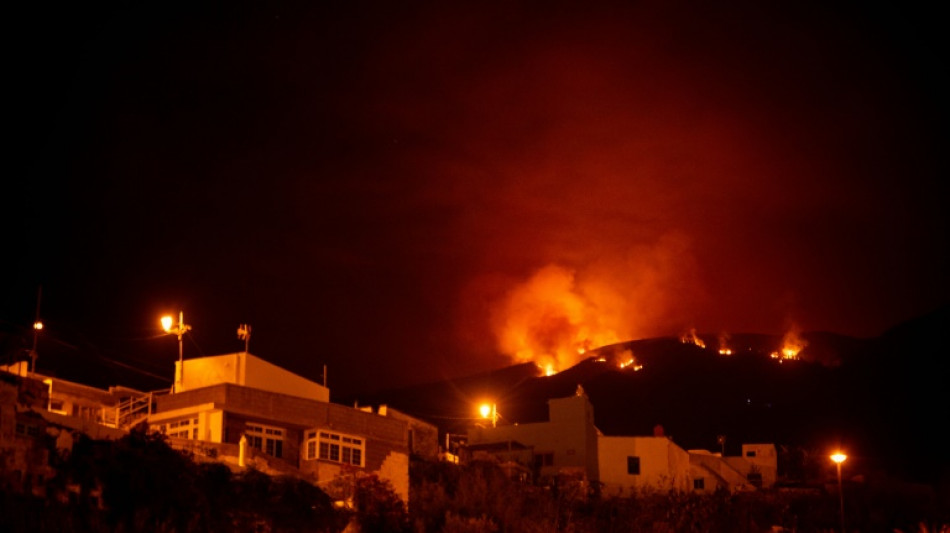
point(664, 466)
point(570, 435)
point(250, 371)
point(715, 471)
point(765, 460)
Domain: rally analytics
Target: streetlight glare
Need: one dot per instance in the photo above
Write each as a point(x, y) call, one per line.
point(179, 330)
point(485, 410)
point(839, 458)
point(37, 325)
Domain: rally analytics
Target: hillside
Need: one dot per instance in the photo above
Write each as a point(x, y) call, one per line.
point(879, 398)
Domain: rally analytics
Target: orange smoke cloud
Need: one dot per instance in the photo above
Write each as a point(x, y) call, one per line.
point(552, 320)
point(558, 314)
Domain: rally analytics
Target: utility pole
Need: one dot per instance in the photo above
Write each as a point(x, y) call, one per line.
point(179, 330)
point(37, 326)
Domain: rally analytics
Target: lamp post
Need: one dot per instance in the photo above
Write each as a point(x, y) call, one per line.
point(839, 458)
point(490, 411)
point(37, 326)
point(177, 329)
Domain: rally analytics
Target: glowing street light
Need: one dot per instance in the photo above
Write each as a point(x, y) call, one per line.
point(177, 329)
point(489, 411)
point(839, 458)
point(37, 326)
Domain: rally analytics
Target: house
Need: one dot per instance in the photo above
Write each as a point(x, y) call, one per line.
point(710, 472)
point(240, 409)
point(99, 413)
point(757, 467)
point(759, 464)
point(237, 409)
point(569, 442)
point(566, 443)
point(27, 438)
point(513, 457)
point(631, 465)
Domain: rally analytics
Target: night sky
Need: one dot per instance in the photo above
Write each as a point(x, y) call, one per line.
point(406, 191)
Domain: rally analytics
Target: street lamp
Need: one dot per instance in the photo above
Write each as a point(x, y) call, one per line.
point(177, 329)
point(839, 458)
point(489, 411)
point(37, 326)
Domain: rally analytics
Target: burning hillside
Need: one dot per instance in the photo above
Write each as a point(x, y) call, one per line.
point(792, 345)
point(552, 320)
point(557, 317)
point(559, 314)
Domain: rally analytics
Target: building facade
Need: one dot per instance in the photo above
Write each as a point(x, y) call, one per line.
point(240, 409)
point(633, 465)
point(566, 443)
point(569, 442)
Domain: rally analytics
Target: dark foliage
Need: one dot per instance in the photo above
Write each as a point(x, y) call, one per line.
point(479, 498)
point(139, 483)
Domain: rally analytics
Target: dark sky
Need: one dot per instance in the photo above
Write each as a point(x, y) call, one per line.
point(404, 191)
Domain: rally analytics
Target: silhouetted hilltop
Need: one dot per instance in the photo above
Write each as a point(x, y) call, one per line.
point(884, 399)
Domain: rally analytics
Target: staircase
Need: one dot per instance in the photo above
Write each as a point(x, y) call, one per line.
point(132, 410)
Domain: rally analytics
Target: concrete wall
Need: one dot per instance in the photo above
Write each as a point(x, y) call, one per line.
point(664, 466)
point(246, 369)
point(715, 472)
point(570, 436)
point(424, 440)
point(762, 458)
point(225, 409)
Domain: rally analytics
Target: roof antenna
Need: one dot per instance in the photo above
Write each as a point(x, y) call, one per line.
point(244, 334)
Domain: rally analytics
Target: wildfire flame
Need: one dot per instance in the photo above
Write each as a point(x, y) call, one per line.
point(724, 348)
point(792, 345)
point(690, 337)
point(552, 320)
point(630, 363)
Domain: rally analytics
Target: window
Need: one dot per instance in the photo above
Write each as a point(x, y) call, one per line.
point(28, 430)
point(268, 439)
point(750, 453)
point(755, 478)
point(544, 459)
point(699, 483)
point(336, 447)
point(633, 465)
point(182, 429)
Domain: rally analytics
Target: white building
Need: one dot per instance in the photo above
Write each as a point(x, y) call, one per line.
point(569, 442)
point(240, 409)
point(566, 443)
point(756, 468)
point(243, 411)
point(634, 465)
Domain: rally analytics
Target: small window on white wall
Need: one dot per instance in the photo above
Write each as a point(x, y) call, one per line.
point(633, 465)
